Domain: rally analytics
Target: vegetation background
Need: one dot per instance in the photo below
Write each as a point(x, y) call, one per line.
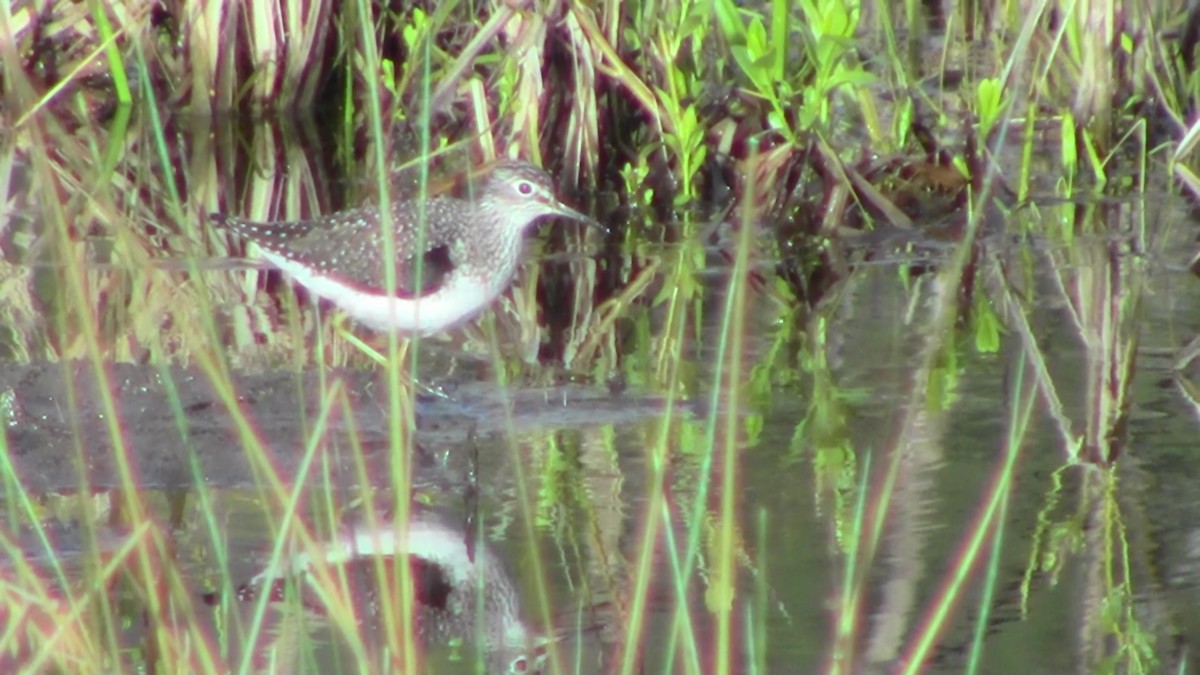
point(783, 143)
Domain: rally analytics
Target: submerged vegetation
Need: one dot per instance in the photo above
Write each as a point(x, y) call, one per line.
point(748, 161)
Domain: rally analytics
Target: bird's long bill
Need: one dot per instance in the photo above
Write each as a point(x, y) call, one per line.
point(565, 211)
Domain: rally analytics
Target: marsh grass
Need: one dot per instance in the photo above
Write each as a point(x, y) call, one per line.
point(819, 118)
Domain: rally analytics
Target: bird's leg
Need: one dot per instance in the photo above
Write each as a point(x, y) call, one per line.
point(340, 328)
point(401, 354)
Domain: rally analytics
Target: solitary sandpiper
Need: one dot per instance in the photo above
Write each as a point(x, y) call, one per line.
point(468, 252)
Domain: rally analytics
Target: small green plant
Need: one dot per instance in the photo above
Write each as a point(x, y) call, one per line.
point(634, 180)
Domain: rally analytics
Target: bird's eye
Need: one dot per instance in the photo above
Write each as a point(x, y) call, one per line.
point(525, 187)
point(519, 665)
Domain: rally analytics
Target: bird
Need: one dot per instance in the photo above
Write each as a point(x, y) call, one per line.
point(458, 587)
point(466, 256)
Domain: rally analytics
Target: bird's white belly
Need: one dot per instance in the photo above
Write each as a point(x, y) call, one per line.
point(459, 299)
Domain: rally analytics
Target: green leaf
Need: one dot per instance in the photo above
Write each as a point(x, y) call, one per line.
point(851, 76)
point(756, 37)
point(1070, 154)
point(728, 19)
point(987, 328)
point(988, 98)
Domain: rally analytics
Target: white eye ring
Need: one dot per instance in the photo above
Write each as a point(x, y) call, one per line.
point(525, 187)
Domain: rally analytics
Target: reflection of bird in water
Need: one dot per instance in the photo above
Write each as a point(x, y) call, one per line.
point(449, 580)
